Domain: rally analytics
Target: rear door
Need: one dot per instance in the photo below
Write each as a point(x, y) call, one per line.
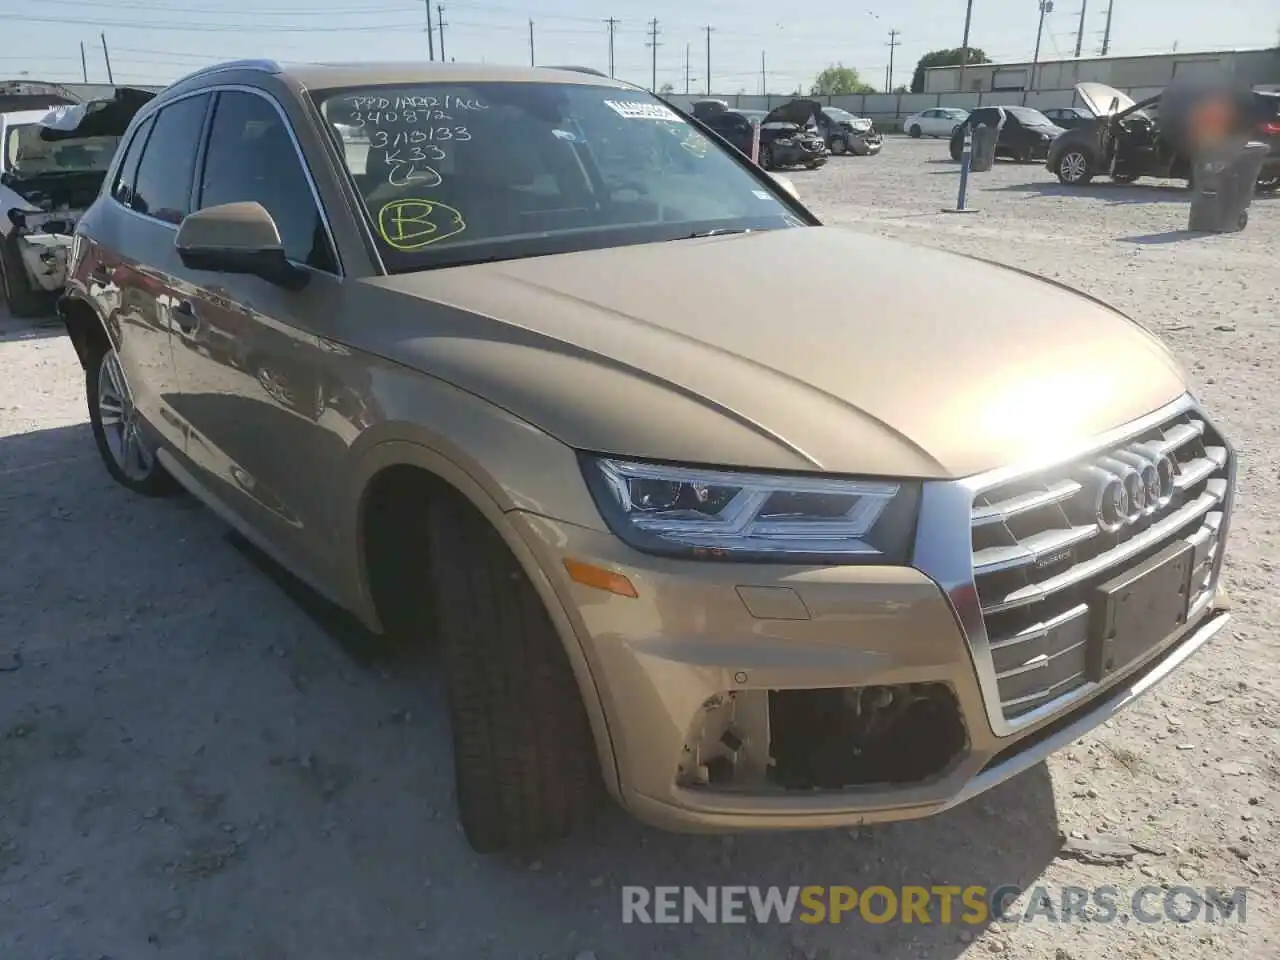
point(136, 267)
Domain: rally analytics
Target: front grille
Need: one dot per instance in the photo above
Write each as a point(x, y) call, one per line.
point(1041, 544)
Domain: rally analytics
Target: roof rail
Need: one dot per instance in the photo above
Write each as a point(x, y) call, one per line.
point(266, 66)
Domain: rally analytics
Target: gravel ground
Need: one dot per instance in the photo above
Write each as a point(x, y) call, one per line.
point(198, 760)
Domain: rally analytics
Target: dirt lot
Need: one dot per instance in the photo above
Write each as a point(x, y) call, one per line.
point(197, 761)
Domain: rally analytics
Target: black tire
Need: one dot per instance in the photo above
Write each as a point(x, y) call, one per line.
point(524, 758)
point(1243, 220)
point(156, 483)
point(24, 300)
point(915, 131)
point(957, 149)
point(766, 157)
point(838, 146)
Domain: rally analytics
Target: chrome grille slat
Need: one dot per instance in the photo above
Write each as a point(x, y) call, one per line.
point(1150, 537)
point(1038, 551)
point(1023, 503)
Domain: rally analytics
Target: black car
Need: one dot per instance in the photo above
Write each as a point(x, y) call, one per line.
point(1126, 140)
point(1068, 118)
point(1025, 134)
point(782, 144)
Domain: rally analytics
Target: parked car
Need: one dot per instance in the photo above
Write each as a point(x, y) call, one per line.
point(782, 143)
point(1127, 141)
point(743, 569)
point(841, 130)
point(1025, 134)
point(52, 162)
point(935, 122)
point(1068, 118)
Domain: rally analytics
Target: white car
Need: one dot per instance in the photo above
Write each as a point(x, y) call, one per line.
point(935, 122)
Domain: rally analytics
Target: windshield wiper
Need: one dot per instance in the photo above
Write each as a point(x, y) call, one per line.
point(717, 232)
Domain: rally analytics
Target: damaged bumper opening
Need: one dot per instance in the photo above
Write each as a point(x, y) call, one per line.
point(826, 739)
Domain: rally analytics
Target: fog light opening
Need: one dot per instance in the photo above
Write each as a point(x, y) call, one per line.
point(860, 736)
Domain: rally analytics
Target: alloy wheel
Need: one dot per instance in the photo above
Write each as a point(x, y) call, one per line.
point(1073, 166)
point(119, 417)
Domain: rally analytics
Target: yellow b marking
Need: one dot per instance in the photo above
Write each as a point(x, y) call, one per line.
point(414, 224)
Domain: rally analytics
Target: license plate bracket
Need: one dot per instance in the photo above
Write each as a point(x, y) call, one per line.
point(1132, 612)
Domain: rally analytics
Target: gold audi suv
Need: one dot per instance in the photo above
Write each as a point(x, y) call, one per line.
point(440, 339)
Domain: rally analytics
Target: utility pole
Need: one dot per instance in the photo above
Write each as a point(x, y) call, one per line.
point(1046, 6)
point(964, 47)
point(1106, 33)
point(708, 30)
point(764, 83)
point(653, 45)
point(531, 63)
point(440, 25)
point(84, 64)
point(893, 43)
point(1084, 5)
point(686, 69)
point(106, 55)
point(431, 35)
point(613, 23)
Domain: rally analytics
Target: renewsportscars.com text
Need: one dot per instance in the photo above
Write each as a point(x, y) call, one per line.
point(938, 904)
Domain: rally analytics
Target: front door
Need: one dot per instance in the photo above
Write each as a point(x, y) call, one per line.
point(251, 382)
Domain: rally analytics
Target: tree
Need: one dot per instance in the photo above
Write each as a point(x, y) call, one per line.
point(944, 58)
point(666, 90)
point(838, 79)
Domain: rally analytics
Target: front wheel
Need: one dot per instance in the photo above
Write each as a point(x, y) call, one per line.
point(21, 296)
point(524, 756)
point(915, 131)
point(128, 455)
point(1074, 169)
point(839, 145)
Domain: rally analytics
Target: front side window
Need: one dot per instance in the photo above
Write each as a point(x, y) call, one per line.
point(453, 173)
point(251, 156)
point(162, 188)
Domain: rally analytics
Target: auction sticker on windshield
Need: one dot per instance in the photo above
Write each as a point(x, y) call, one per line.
point(639, 110)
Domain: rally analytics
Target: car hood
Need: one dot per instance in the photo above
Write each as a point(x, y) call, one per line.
point(1098, 97)
point(794, 111)
point(629, 351)
point(109, 117)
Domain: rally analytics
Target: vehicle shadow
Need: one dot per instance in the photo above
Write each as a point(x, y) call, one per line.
point(300, 793)
point(1113, 194)
point(1169, 236)
point(37, 328)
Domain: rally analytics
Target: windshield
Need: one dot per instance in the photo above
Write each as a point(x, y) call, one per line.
point(1029, 117)
point(459, 173)
point(29, 156)
point(837, 114)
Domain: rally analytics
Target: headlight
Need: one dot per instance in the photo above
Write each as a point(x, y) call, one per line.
point(721, 514)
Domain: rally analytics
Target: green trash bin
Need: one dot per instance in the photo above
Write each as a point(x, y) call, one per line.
point(983, 148)
point(1222, 187)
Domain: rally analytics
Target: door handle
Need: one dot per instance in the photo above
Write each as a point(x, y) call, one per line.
point(185, 316)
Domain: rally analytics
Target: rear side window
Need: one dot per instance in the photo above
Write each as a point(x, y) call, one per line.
point(162, 188)
point(251, 156)
point(128, 173)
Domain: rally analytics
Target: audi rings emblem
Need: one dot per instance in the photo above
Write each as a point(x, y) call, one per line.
point(1131, 484)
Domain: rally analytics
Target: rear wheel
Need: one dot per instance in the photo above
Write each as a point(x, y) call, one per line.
point(1074, 169)
point(129, 456)
point(524, 757)
point(915, 131)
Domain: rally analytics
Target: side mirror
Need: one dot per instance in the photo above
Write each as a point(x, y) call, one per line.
point(785, 183)
point(237, 238)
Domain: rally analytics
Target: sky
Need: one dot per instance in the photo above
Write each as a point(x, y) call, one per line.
point(157, 41)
